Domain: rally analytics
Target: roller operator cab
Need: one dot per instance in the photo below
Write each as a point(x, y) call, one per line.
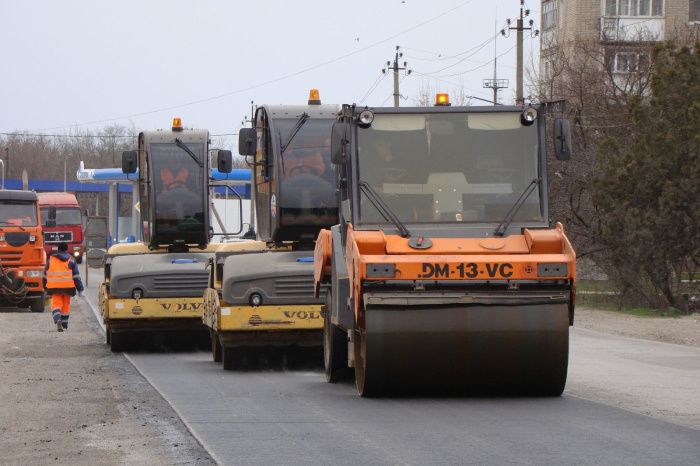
point(157, 284)
point(22, 256)
point(261, 294)
point(444, 273)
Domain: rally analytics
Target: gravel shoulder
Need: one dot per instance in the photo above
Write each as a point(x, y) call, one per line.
point(683, 330)
point(66, 399)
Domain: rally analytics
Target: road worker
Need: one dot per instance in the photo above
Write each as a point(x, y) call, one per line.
point(61, 280)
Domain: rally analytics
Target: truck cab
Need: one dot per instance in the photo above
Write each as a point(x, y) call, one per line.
point(22, 255)
point(67, 226)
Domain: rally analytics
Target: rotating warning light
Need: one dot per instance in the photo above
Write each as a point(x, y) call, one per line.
point(314, 97)
point(442, 99)
point(177, 124)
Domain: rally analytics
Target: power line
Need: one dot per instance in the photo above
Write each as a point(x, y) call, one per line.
point(265, 83)
point(372, 87)
point(473, 51)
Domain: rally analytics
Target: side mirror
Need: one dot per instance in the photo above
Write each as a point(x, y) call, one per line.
point(562, 139)
point(247, 141)
point(51, 220)
point(130, 161)
point(224, 161)
point(340, 138)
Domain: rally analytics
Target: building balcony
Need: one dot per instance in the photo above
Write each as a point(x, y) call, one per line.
point(631, 28)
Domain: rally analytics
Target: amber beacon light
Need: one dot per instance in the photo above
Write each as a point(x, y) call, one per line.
point(177, 124)
point(314, 97)
point(442, 99)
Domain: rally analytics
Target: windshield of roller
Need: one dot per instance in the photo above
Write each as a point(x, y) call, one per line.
point(17, 214)
point(449, 167)
point(179, 194)
point(307, 190)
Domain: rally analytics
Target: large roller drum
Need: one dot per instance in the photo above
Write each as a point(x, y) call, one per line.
point(458, 349)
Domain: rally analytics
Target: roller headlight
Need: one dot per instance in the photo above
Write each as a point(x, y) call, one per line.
point(366, 118)
point(528, 116)
point(33, 273)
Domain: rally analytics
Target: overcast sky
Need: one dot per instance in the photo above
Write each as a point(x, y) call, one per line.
point(89, 63)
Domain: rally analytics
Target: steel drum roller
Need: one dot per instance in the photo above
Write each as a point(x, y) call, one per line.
point(463, 348)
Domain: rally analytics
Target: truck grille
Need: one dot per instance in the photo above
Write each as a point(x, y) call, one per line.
point(10, 257)
point(188, 283)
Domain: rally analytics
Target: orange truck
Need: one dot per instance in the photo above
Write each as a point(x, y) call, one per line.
point(445, 272)
point(22, 256)
point(67, 227)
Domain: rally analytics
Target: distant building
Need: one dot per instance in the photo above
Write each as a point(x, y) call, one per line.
point(623, 28)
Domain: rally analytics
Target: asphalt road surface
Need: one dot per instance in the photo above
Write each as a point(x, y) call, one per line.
point(295, 417)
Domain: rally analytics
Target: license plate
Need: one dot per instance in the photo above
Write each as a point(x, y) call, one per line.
point(58, 236)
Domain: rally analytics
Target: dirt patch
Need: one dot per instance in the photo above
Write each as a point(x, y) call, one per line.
point(66, 399)
point(683, 330)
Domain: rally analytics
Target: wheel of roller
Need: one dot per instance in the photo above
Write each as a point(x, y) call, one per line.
point(230, 358)
point(335, 346)
point(216, 349)
point(118, 341)
point(365, 383)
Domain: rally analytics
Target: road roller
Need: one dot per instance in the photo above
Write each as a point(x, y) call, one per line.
point(260, 300)
point(155, 286)
point(445, 273)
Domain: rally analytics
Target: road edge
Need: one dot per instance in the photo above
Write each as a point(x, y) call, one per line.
point(199, 440)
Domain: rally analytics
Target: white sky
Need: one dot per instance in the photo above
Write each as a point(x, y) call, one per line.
point(71, 62)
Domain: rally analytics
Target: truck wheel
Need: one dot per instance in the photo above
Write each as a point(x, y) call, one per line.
point(335, 347)
point(38, 304)
point(79, 259)
point(215, 347)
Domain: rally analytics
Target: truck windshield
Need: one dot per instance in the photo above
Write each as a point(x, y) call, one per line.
point(307, 190)
point(178, 185)
point(64, 216)
point(457, 167)
point(16, 213)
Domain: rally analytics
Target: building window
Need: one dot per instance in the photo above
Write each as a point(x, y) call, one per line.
point(549, 14)
point(635, 7)
point(694, 14)
point(630, 62)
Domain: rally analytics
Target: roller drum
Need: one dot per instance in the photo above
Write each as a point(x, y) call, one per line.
point(458, 349)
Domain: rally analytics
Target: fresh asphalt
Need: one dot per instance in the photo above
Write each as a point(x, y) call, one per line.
point(295, 417)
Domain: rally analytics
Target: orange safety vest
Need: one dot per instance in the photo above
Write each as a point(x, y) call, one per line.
point(59, 274)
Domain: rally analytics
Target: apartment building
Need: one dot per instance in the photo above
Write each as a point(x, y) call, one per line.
point(619, 26)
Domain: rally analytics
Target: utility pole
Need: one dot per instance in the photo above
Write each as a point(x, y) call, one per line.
point(7, 160)
point(519, 28)
point(495, 83)
point(396, 68)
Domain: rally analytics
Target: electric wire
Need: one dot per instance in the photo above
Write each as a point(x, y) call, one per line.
point(268, 82)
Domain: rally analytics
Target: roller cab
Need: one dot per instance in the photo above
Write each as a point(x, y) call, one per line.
point(444, 273)
point(157, 284)
point(261, 294)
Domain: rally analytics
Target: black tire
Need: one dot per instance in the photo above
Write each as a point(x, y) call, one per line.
point(216, 349)
point(38, 304)
point(335, 347)
point(119, 341)
point(230, 360)
point(79, 259)
point(359, 349)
